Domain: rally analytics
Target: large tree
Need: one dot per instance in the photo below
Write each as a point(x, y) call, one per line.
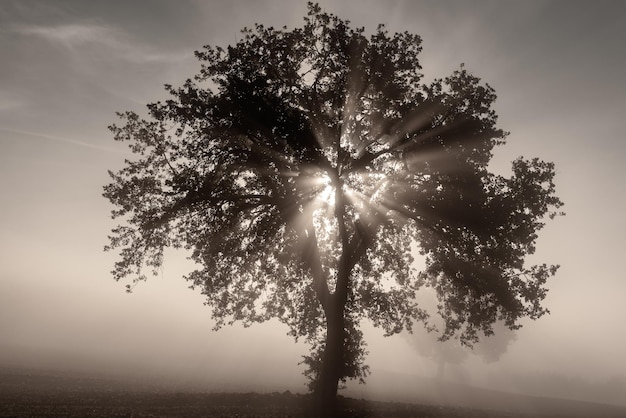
point(304, 169)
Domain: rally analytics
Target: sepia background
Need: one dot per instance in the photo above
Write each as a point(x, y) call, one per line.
point(67, 66)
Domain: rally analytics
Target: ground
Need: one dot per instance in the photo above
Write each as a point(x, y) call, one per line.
point(28, 393)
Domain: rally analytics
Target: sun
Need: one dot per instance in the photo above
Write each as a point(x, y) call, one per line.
point(327, 191)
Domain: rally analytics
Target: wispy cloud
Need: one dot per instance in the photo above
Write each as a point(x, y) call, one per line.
point(69, 34)
point(70, 141)
point(110, 40)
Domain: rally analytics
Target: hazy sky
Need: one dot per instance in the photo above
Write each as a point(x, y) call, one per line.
point(67, 66)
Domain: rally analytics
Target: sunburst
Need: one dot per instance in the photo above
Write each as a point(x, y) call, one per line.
point(327, 191)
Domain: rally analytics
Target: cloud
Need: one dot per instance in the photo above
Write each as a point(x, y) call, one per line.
point(64, 140)
point(68, 34)
point(78, 37)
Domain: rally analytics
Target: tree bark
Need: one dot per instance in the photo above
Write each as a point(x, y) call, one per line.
point(325, 395)
point(333, 368)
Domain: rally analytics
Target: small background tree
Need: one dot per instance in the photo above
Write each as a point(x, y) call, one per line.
point(429, 344)
point(303, 169)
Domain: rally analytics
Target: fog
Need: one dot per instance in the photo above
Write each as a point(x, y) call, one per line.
point(67, 66)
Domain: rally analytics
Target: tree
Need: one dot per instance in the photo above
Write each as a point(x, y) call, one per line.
point(304, 168)
point(491, 348)
point(441, 352)
point(428, 342)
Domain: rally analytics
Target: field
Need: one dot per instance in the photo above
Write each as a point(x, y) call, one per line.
point(38, 394)
point(114, 404)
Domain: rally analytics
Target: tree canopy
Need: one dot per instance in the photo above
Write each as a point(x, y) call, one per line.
point(305, 169)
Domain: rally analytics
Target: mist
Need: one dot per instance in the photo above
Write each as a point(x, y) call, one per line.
point(556, 67)
point(161, 336)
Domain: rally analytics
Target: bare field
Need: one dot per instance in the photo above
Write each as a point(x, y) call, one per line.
point(119, 404)
point(36, 394)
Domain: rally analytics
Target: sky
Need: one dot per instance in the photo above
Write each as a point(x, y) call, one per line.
point(66, 67)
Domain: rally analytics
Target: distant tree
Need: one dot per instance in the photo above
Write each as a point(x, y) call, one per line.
point(491, 348)
point(429, 343)
point(302, 169)
point(449, 351)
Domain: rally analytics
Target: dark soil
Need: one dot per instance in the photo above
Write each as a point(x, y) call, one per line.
point(36, 394)
point(118, 404)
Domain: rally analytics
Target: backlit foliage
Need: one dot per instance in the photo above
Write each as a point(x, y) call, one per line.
point(298, 157)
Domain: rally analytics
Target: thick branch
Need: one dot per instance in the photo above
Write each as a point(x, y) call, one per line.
point(311, 257)
point(344, 268)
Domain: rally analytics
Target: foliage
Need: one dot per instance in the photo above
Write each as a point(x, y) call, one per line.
point(303, 168)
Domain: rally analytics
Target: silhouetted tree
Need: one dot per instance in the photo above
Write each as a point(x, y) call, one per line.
point(303, 168)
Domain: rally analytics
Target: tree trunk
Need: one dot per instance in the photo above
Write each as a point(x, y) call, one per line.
point(325, 395)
